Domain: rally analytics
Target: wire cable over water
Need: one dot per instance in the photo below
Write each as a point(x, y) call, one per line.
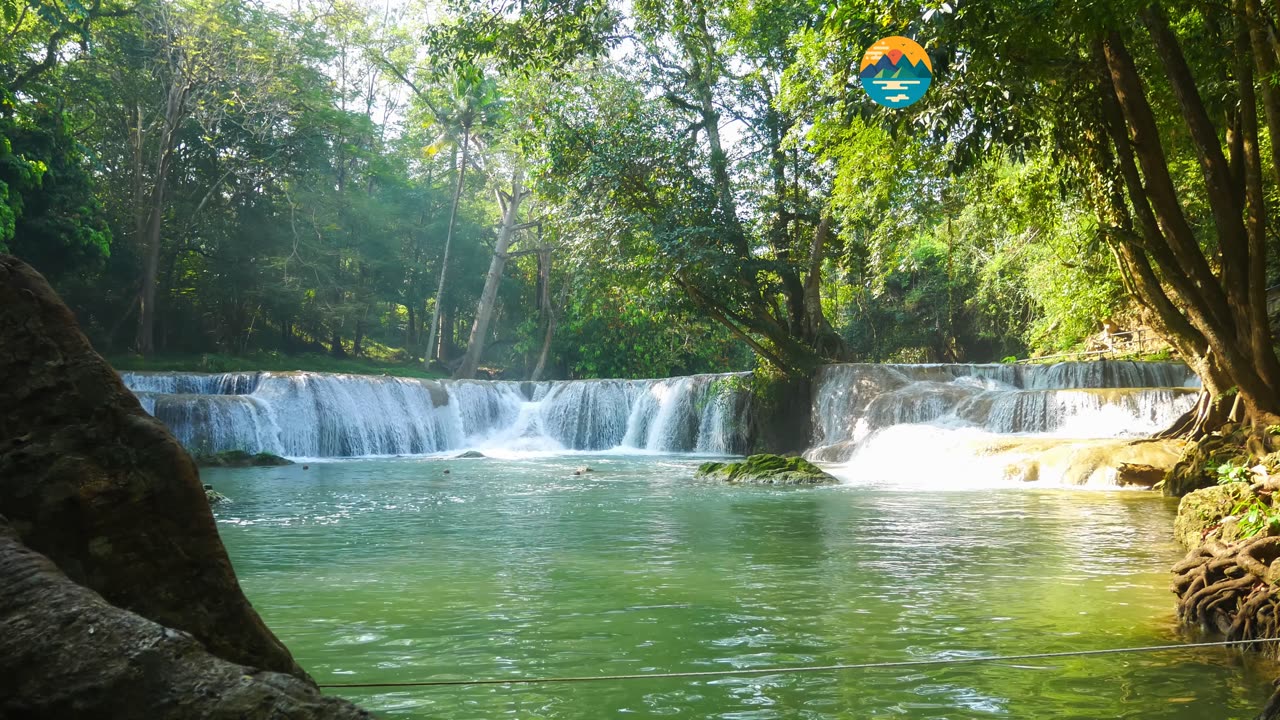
point(806, 668)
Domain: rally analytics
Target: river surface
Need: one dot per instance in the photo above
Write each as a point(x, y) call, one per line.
point(393, 570)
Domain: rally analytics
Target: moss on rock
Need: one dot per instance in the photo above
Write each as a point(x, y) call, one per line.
point(240, 458)
point(767, 470)
point(213, 496)
point(1244, 447)
point(1201, 514)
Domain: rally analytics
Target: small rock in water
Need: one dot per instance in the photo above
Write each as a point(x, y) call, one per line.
point(470, 454)
point(446, 472)
point(306, 467)
point(1139, 474)
point(767, 470)
point(239, 458)
point(583, 470)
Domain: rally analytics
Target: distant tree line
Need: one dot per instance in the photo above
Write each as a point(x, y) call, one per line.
point(587, 188)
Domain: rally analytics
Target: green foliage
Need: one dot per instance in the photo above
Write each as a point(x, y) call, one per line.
point(1255, 517)
point(680, 179)
point(620, 329)
point(522, 37)
point(1229, 472)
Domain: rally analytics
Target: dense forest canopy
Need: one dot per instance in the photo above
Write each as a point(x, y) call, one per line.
point(579, 188)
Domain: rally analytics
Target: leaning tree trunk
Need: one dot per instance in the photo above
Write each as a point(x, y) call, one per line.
point(90, 480)
point(489, 296)
point(448, 241)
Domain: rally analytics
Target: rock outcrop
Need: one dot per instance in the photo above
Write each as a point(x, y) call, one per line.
point(65, 652)
point(99, 487)
point(767, 470)
point(1201, 514)
point(1234, 445)
point(241, 459)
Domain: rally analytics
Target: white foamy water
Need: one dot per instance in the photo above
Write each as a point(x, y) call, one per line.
point(948, 426)
point(319, 415)
point(925, 425)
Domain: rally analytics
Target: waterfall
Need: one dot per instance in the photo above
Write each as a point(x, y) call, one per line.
point(982, 421)
point(1014, 421)
point(304, 414)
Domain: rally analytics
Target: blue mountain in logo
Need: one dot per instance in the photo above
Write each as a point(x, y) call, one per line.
point(885, 69)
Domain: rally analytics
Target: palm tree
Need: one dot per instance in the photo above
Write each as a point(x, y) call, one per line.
point(471, 107)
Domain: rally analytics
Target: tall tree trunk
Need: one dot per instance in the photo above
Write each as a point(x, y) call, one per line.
point(445, 345)
point(510, 205)
point(1266, 60)
point(1256, 333)
point(545, 352)
point(175, 113)
point(448, 241)
point(1215, 318)
point(816, 330)
point(411, 327)
point(150, 268)
point(546, 310)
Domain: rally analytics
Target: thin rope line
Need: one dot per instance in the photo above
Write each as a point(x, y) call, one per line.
point(806, 668)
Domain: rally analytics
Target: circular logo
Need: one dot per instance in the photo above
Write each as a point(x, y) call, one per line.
point(896, 72)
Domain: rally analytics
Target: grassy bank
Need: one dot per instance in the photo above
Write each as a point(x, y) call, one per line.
point(213, 363)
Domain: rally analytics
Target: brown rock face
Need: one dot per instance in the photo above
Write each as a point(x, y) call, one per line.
point(67, 653)
point(94, 483)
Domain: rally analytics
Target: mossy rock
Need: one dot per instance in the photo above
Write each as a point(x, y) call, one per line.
point(767, 470)
point(214, 497)
point(1201, 513)
point(240, 458)
point(470, 454)
point(1194, 470)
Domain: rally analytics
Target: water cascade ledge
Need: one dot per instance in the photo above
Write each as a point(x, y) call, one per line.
point(303, 414)
point(1061, 422)
point(957, 425)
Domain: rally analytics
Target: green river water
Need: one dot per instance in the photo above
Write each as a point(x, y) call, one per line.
point(393, 570)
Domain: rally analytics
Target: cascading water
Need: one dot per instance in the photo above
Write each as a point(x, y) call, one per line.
point(979, 423)
point(1057, 423)
point(302, 414)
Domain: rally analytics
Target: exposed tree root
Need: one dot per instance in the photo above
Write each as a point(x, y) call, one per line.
point(1231, 442)
point(1223, 589)
point(1228, 590)
point(1207, 414)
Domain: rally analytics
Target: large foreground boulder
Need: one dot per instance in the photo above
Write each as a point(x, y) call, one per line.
point(94, 483)
point(67, 653)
